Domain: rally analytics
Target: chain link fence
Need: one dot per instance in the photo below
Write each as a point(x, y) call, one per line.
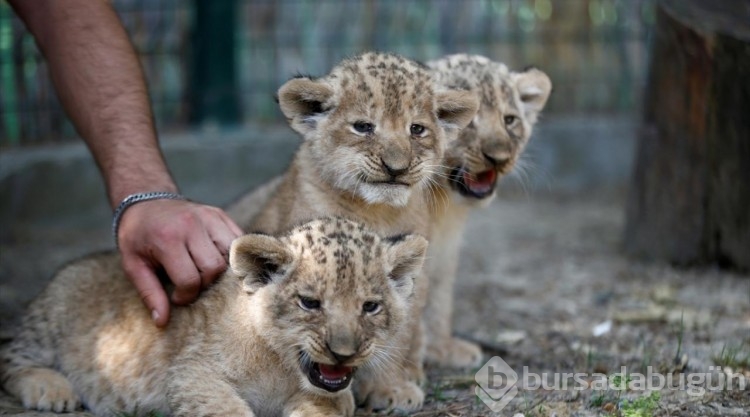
point(595, 51)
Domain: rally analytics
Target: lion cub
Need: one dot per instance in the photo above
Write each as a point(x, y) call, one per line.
point(487, 149)
point(280, 334)
point(375, 130)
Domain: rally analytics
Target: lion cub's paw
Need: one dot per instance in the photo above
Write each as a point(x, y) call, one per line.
point(306, 406)
point(415, 373)
point(454, 353)
point(396, 395)
point(346, 405)
point(46, 390)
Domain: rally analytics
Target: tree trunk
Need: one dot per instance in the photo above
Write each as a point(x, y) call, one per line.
point(690, 197)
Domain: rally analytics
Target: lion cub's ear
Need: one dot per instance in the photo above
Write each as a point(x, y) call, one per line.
point(534, 87)
point(405, 256)
point(259, 260)
point(302, 101)
point(455, 109)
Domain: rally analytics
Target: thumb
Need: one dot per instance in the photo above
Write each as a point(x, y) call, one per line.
point(149, 289)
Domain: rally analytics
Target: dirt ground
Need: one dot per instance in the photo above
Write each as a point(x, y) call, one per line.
point(542, 284)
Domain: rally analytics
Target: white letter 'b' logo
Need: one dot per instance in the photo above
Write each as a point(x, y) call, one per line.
point(497, 384)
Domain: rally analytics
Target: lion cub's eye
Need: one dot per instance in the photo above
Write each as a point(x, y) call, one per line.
point(363, 127)
point(308, 303)
point(416, 129)
point(371, 307)
point(509, 120)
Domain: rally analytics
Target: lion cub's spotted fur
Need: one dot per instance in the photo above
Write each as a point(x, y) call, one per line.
point(330, 292)
point(375, 130)
point(485, 150)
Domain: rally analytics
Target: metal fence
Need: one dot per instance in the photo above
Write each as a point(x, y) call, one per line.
point(595, 51)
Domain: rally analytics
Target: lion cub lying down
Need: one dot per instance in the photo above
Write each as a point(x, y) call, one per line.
point(281, 333)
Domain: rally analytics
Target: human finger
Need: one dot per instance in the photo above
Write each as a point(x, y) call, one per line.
point(223, 231)
point(149, 288)
point(183, 273)
point(233, 228)
point(207, 258)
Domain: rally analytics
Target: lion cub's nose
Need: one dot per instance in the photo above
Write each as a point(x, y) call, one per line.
point(497, 160)
point(341, 354)
point(393, 170)
point(341, 358)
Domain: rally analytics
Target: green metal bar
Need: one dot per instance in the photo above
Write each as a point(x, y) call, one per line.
point(12, 130)
point(213, 84)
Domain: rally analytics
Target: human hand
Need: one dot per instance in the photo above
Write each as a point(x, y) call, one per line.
point(189, 241)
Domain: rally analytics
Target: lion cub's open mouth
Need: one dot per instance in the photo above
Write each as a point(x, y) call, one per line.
point(479, 185)
point(331, 378)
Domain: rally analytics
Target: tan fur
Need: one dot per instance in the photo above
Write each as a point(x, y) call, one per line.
point(244, 210)
point(240, 350)
point(342, 170)
point(489, 142)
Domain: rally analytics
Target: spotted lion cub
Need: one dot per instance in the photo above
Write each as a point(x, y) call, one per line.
point(487, 149)
point(281, 333)
point(375, 129)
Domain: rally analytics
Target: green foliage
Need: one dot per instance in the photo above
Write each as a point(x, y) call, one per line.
point(598, 400)
point(644, 406)
point(640, 407)
point(680, 336)
point(620, 381)
point(737, 356)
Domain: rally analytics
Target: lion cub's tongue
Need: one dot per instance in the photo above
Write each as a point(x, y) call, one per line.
point(334, 372)
point(482, 182)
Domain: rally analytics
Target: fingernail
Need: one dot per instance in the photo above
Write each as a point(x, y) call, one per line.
point(154, 315)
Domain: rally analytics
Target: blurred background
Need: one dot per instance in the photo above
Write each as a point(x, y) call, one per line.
point(213, 69)
point(220, 62)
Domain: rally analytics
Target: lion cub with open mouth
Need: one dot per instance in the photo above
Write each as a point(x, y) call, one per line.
point(375, 130)
point(281, 333)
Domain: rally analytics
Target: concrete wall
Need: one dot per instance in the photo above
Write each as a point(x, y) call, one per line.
point(59, 188)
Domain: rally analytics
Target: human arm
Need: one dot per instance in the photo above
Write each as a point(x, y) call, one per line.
point(101, 86)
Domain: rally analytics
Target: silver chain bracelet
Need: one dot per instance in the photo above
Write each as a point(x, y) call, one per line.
point(137, 198)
